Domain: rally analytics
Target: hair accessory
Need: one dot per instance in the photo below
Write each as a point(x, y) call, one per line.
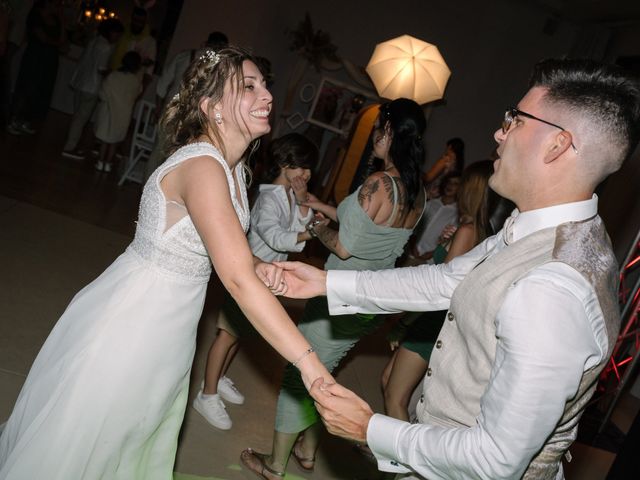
point(218, 118)
point(211, 57)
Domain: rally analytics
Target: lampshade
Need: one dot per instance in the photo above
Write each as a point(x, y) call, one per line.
point(406, 67)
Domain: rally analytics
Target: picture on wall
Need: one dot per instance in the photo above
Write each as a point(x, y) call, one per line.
point(337, 104)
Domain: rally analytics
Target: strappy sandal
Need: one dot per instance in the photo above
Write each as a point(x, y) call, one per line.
point(300, 460)
point(261, 458)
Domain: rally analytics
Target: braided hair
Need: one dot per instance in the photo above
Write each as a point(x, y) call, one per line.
point(184, 120)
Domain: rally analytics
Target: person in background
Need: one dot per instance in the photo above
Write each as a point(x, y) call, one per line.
point(5, 16)
point(86, 81)
point(137, 37)
point(169, 84)
point(118, 96)
point(375, 223)
point(46, 37)
point(15, 19)
point(439, 212)
point(451, 160)
point(278, 220)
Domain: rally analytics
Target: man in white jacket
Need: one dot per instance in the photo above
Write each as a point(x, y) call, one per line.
point(533, 310)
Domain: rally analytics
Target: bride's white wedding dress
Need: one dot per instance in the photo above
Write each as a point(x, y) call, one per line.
point(106, 395)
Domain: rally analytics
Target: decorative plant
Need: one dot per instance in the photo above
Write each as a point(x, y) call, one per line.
point(314, 46)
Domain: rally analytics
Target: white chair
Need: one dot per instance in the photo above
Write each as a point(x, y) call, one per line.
point(142, 143)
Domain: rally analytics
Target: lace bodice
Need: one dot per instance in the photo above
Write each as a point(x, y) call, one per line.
point(177, 250)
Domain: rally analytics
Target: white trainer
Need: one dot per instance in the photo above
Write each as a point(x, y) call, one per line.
point(229, 392)
point(212, 408)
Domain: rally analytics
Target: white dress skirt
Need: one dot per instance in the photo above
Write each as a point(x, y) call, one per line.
point(106, 395)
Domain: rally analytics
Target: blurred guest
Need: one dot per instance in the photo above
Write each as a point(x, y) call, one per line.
point(5, 15)
point(137, 37)
point(169, 84)
point(439, 213)
point(13, 17)
point(118, 95)
point(452, 159)
point(39, 66)
point(86, 80)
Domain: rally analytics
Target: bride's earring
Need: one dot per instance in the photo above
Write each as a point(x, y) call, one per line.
point(217, 117)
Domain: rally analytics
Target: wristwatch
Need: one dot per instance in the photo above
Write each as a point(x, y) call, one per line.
point(312, 225)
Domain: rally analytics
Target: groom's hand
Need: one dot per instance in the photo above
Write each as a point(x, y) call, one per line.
point(343, 412)
point(302, 280)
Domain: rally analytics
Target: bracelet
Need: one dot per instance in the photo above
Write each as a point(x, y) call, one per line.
point(311, 227)
point(307, 352)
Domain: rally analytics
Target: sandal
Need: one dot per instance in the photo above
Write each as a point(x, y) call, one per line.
point(261, 458)
point(301, 460)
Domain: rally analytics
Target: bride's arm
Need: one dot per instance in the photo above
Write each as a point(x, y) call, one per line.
point(202, 185)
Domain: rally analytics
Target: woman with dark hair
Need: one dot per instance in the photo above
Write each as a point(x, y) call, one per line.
point(375, 223)
point(452, 160)
point(46, 36)
point(278, 220)
point(106, 395)
point(407, 366)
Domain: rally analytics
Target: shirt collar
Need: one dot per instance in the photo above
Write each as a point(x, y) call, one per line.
point(526, 223)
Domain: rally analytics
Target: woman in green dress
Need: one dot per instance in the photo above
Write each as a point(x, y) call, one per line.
point(375, 223)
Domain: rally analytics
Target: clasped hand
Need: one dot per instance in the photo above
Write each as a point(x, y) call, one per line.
point(343, 412)
point(272, 276)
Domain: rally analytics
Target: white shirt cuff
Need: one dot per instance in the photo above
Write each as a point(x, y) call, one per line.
point(341, 292)
point(381, 438)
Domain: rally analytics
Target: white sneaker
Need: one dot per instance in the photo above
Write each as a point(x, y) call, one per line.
point(212, 408)
point(229, 392)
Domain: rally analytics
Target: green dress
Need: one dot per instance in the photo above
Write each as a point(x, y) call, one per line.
point(373, 247)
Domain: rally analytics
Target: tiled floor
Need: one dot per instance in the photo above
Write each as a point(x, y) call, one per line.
point(62, 223)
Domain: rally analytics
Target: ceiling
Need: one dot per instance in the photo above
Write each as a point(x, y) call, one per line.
point(594, 11)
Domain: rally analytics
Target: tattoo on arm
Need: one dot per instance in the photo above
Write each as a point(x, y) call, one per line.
point(387, 183)
point(369, 188)
point(329, 237)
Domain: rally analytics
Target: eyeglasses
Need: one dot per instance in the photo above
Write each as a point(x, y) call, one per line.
point(512, 113)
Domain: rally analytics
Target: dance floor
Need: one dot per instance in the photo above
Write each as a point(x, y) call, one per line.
point(63, 223)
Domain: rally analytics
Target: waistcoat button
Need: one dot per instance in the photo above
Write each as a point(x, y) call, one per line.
point(429, 372)
point(439, 344)
point(450, 316)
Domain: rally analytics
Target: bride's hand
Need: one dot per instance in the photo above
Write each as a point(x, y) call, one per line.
point(272, 276)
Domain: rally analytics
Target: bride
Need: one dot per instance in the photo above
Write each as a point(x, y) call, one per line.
point(106, 395)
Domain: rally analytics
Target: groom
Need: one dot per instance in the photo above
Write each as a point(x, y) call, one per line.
point(533, 312)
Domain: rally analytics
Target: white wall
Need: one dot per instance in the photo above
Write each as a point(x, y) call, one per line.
point(489, 46)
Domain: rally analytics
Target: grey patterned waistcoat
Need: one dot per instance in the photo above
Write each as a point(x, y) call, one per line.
point(461, 363)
